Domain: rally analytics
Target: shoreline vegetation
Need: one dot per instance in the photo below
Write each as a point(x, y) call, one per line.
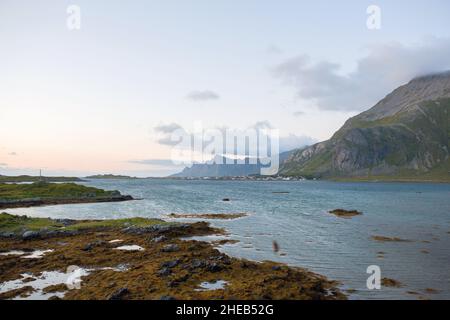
point(45, 193)
point(141, 258)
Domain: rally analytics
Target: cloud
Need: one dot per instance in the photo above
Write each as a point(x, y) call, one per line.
point(298, 113)
point(204, 95)
point(286, 143)
point(293, 141)
point(383, 69)
point(3, 164)
point(273, 49)
point(167, 128)
point(261, 125)
point(164, 133)
point(12, 153)
point(155, 162)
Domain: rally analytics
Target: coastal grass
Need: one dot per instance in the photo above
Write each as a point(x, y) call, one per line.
point(17, 224)
point(116, 223)
point(45, 190)
point(14, 223)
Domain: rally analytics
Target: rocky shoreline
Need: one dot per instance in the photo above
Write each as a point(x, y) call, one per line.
point(140, 259)
point(25, 203)
point(44, 193)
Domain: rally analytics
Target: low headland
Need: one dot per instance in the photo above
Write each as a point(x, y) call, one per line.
point(139, 258)
point(27, 178)
point(45, 193)
point(223, 216)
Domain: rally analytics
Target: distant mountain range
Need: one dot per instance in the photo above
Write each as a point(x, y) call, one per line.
point(405, 136)
point(224, 167)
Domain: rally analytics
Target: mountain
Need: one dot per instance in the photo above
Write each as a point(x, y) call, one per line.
point(403, 137)
point(220, 168)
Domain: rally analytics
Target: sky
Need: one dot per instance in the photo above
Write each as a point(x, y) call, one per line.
point(99, 99)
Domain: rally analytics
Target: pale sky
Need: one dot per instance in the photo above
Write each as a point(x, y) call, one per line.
point(88, 101)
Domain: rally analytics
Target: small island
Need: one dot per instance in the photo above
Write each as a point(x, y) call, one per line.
point(392, 283)
point(342, 213)
point(224, 216)
point(111, 177)
point(45, 193)
point(389, 239)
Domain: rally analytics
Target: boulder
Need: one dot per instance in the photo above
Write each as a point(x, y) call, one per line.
point(170, 264)
point(170, 248)
point(119, 294)
point(214, 267)
point(159, 239)
point(164, 272)
point(29, 235)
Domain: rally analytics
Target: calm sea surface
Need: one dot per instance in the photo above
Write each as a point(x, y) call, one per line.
point(308, 236)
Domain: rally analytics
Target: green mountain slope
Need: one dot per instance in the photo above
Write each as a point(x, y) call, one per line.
point(403, 137)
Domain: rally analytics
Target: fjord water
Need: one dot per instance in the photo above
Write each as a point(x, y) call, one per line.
point(295, 214)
